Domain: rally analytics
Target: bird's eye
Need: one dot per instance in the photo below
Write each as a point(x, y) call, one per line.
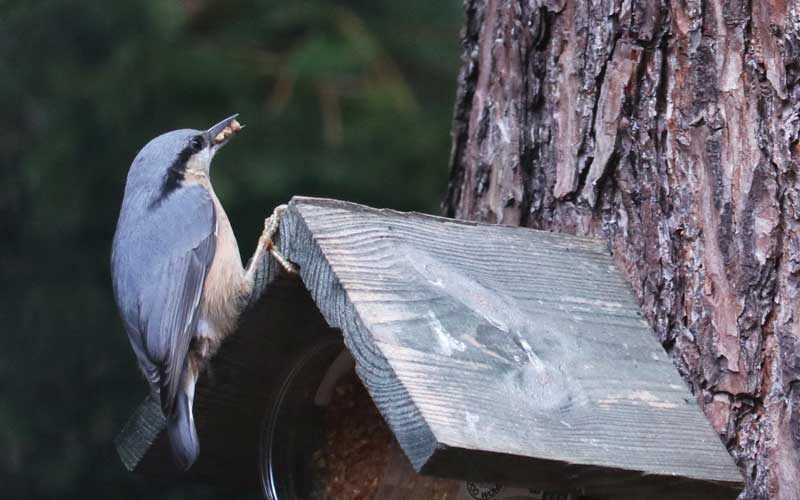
point(196, 143)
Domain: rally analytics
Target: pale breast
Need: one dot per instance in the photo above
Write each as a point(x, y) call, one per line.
point(225, 285)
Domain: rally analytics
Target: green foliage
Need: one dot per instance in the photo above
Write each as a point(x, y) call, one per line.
point(345, 99)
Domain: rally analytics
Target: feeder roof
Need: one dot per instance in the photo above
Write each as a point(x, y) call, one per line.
point(494, 353)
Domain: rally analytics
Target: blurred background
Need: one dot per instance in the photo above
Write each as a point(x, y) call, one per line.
point(342, 99)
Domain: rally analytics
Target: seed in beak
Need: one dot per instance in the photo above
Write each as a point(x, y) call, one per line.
point(233, 127)
point(226, 132)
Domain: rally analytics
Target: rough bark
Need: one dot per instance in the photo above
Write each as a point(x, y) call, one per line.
point(670, 128)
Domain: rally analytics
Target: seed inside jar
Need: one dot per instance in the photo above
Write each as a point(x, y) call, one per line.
point(360, 458)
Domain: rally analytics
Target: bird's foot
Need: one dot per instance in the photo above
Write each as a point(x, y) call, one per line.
point(271, 225)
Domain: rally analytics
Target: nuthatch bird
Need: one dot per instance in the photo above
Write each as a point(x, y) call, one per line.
point(179, 281)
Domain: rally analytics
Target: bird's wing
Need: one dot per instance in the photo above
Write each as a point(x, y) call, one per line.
point(175, 249)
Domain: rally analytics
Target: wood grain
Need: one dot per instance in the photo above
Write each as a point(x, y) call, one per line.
point(140, 432)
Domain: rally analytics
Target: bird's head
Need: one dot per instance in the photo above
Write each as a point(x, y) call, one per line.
point(169, 158)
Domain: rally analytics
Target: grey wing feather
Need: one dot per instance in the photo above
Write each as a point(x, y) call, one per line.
point(159, 264)
point(171, 320)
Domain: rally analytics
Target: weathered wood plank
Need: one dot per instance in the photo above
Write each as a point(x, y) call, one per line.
point(480, 340)
point(140, 433)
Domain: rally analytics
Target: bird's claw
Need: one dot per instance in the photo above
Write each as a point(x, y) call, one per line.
point(271, 225)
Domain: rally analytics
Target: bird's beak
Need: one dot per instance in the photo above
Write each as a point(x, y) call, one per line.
point(219, 134)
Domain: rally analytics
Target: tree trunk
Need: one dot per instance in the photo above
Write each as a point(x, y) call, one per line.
point(670, 128)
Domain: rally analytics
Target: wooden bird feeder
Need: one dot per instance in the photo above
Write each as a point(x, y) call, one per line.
point(496, 355)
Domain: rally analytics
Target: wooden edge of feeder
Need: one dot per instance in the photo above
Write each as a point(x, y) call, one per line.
point(140, 432)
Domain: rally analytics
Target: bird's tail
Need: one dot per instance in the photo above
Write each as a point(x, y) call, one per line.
point(180, 425)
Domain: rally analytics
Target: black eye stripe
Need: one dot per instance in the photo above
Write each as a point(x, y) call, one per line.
point(175, 173)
